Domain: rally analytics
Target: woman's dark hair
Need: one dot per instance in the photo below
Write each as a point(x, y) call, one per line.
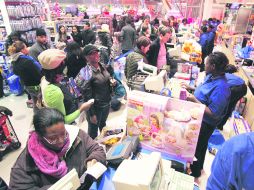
point(59, 29)
point(143, 41)
point(45, 118)
point(50, 75)
point(16, 47)
point(231, 69)
point(73, 49)
point(204, 29)
point(62, 36)
point(16, 34)
point(184, 20)
point(220, 61)
point(75, 26)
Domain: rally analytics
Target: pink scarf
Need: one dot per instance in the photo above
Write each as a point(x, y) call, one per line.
point(48, 161)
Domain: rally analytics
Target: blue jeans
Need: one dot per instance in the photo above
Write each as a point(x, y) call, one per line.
point(101, 113)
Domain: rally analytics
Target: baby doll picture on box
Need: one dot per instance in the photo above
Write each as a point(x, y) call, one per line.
point(167, 125)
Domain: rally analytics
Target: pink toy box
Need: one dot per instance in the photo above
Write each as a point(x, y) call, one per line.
point(170, 126)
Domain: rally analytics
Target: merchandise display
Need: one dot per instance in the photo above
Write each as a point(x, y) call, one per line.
point(152, 121)
point(165, 126)
point(25, 17)
point(3, 33)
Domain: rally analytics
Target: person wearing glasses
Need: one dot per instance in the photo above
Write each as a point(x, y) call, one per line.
point(53, 150)
point(54, 93)
point(214, 93)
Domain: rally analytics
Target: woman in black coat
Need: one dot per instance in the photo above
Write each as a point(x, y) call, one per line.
point(76, 35)
point(74, 61)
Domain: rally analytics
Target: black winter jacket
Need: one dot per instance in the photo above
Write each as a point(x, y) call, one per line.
point(74, 64)
point(27, 71)
point(26, 175)
point(88, 37)
point(77, 38)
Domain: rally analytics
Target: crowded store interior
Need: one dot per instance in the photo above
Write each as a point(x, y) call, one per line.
point(126, 94)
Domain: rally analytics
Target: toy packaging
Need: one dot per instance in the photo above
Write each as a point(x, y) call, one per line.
point(170, 126)
point(235, 125)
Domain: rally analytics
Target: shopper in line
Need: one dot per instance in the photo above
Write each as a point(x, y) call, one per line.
point(114, 23)
point(40, 45)
point(62, 38)
point(28, 69)
point(233, 165)
point(95, 83)
point(183, 27)
point(139, 54)
point(157, 54)
point(88, 35)
point(152, 31)
point(214, 93)
point(74, 59)
point(173, 23)
point(13, 37)
point(145, 32)
point(76, 35)
point(54, 94)
point(105, 38)
point(86, 15)
point(53, 150)
point(128, 36)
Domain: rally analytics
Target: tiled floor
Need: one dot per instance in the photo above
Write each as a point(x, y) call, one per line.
point(22, 118)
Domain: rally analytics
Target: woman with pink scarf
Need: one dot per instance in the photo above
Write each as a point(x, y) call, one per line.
point(52, 150)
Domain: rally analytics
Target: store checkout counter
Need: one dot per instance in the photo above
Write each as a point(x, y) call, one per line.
point(106, 183)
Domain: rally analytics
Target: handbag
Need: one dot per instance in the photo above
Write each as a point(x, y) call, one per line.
point(119, 90)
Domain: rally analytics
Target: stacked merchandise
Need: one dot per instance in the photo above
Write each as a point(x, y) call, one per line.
point(11, 82)
point(191, 51)
point(170, 126)
point(25, 17)
point(236, 125)
point(3, 33)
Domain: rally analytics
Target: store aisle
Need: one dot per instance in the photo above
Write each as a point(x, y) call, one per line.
point(22, 118)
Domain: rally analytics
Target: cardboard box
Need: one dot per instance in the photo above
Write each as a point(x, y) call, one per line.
point(170, 126)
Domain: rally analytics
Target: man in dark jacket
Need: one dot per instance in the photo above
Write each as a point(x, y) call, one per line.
point(40, 45)
point(95, 83)
point(88, 35)
point(128, 36)
point(157, 54)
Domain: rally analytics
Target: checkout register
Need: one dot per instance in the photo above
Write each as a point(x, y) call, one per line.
point(145, 172)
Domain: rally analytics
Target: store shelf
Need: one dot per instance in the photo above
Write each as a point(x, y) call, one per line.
point(17, 3)
point(20, 18)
